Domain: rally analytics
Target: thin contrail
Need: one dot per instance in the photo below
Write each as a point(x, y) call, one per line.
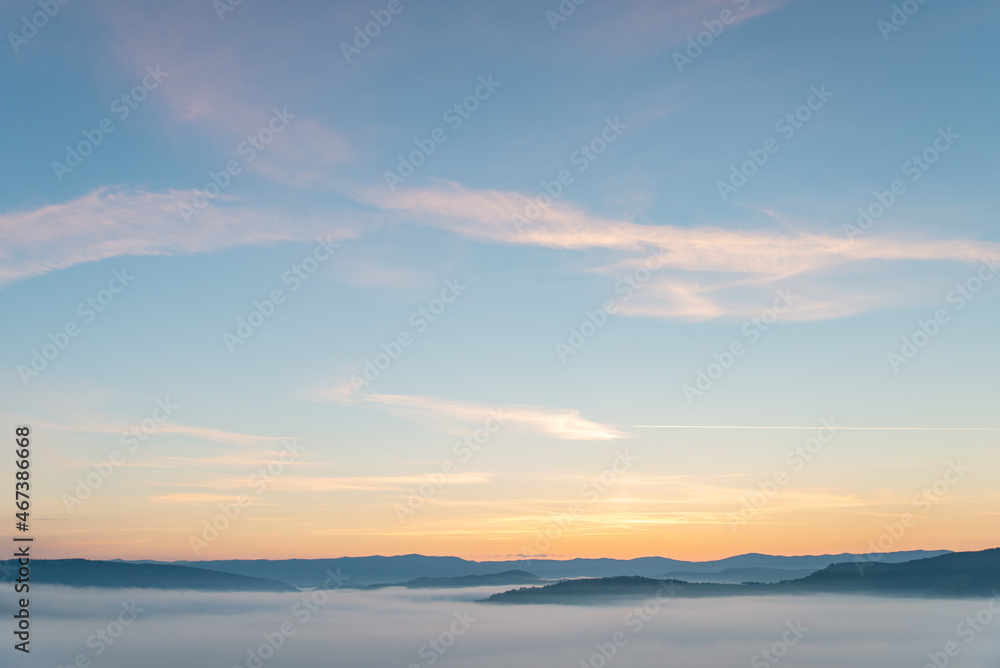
point(711, 426)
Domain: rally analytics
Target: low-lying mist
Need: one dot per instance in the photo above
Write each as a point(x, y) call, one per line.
point(398, 627)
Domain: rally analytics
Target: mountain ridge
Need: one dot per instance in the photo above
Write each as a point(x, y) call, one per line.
point(115, 574)
point(378, 569)
point(952, 575)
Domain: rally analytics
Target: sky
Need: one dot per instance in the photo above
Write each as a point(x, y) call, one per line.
point(337, 279)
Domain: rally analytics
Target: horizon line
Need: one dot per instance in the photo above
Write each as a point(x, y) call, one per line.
point(711, 426)
point(520, 558)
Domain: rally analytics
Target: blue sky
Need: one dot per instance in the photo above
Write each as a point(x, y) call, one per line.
point(641, 146)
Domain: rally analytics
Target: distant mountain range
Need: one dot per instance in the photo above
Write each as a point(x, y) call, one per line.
point(918, 573)
point(495, 579)
point(361, 571)
point(85, 573)
point(959, 574)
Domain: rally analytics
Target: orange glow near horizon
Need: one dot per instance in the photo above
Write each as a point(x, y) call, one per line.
point(686, 542)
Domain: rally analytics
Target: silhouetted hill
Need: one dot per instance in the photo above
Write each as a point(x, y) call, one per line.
point(957, 574)
point(740, 575)
point(617, 589)
point(86, 573)
point(960, 574)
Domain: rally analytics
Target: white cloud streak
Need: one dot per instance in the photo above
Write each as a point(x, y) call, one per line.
point(114, 222)
point(565, 424)
point(706, 272)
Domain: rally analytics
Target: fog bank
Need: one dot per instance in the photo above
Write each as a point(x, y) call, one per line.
point(447, 628)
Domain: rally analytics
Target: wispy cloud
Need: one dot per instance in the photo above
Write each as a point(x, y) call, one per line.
point(643, 28)
point(184, 499)
point(703, 272)
point(314, 483)
point(210, 90)
point(113, 222)
point(219, 435)
point(560, 423)
point(488, 215)
point(115, 426)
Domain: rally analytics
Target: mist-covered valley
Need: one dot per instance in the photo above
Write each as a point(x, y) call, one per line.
point(447, 627)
